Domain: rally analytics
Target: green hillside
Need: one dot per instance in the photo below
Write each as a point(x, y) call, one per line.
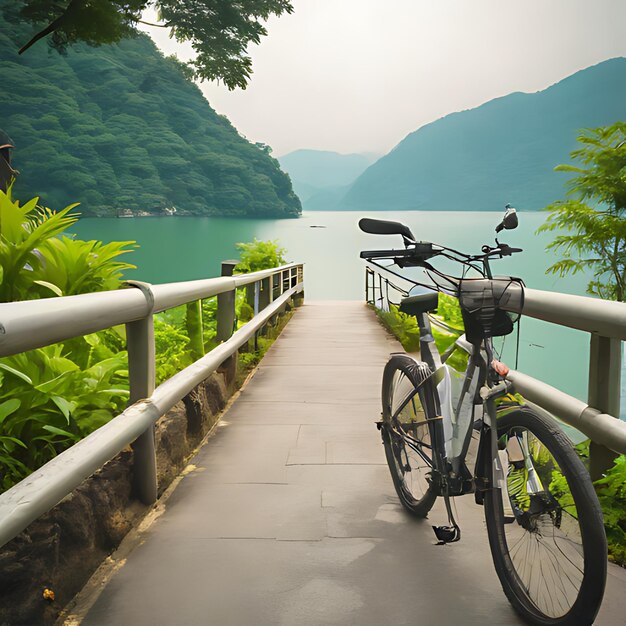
point(120, 127)
point(503, 151)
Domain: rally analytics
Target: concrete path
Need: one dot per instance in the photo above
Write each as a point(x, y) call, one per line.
point(290, 517)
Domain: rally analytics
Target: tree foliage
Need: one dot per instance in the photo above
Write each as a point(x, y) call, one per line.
point(219, 31)
point(122, 127)
point(595, 213)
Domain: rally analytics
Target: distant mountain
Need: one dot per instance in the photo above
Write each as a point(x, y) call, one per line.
point(120, 127)
point(320, 177)
point(502, 151)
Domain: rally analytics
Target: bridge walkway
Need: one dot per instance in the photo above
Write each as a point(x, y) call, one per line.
point(287, 516)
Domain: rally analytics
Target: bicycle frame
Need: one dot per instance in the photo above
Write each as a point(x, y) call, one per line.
point(453, 476)
point(488, 472)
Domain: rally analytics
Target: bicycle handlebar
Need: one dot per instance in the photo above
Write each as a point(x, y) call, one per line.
point(422, 251)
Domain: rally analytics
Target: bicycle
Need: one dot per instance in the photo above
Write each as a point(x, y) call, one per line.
point(543, 518)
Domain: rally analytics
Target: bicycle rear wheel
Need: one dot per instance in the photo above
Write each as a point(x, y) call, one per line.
point(545, 526)
point(410, 439)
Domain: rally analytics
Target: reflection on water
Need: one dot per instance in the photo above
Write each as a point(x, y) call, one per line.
point(183, 248)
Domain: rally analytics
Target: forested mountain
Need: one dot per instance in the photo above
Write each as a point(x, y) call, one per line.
point(503, 151)
point(321, 177)
point(121, 127)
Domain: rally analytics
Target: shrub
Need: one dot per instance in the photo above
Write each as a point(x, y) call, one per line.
point(53, 396)
point(259, 255)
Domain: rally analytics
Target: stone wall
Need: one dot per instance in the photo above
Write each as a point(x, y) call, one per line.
point(64, 547)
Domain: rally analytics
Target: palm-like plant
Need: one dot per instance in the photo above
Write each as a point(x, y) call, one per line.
point(23, 230)
point(70, 266)
point(53, 396)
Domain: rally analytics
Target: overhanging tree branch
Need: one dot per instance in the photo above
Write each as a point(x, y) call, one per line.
point(220, 31)
point(52, 27)
point(151, 24)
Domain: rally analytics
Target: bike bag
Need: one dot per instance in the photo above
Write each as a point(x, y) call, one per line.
point(483, 302)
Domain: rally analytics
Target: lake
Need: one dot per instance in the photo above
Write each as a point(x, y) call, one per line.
point(328, 243)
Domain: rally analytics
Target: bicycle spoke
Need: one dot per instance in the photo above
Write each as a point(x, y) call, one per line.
point(544, 541)
point(409, 444)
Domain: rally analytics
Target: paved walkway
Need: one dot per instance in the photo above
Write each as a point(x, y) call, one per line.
point(290, 517)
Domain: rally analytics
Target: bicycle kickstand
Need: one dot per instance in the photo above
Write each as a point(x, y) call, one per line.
point(451, 533)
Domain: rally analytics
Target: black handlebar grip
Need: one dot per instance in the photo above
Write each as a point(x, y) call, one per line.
point(383, 254)
point(385, 227)
point(420, 251)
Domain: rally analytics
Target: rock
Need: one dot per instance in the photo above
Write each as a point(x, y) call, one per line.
point(197, 409)
point(216, 393)
point(172, 447)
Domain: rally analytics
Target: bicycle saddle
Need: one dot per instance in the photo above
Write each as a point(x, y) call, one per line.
point(420, 303)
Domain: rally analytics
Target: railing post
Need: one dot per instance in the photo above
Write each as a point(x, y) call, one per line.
point(250, 295)
point(605, 373)
point(226, 306)
point(141, 375)
point(256, 307)
point(266, 296)
point(251, 302)
point(299, 277)
point(257, 292)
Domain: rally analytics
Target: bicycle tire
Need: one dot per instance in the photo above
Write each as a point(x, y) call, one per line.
point(405, 377)
point(551, 558)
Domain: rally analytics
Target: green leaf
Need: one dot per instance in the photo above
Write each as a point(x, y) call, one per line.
point(53, 288)
point(115, 392)
point(17, 373)
point(65, 406)
point(13, 440)
point(8, 407)
point(93, 339)
point(59, 431)
point(52, 384)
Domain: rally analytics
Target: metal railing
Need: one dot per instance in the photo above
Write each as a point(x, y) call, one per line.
point(37, 323)
point(606, 323)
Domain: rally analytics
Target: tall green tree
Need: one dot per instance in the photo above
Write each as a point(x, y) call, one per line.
point(219, 31)
point(594, 213)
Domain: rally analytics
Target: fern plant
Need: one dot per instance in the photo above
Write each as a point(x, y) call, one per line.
point(23, 230)
point(71, 266)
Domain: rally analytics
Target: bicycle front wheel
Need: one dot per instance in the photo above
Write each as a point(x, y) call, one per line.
point(409, 432)
point(545, 525)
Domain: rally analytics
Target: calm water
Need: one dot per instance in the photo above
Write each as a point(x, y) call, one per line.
point(173, 249)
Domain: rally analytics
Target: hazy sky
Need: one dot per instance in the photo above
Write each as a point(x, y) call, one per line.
point(359, 75)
